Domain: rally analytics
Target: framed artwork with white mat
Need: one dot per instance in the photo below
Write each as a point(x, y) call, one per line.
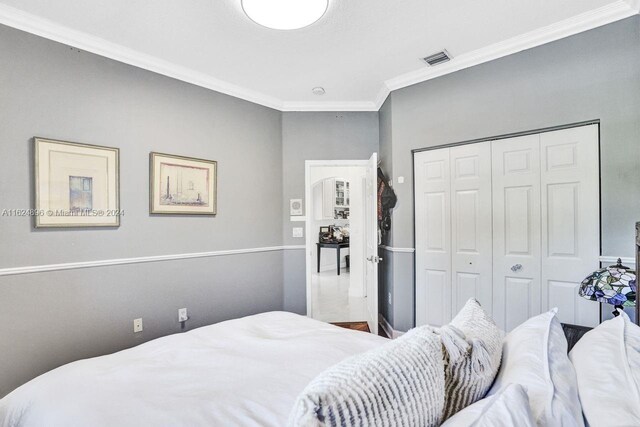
point(76, 185)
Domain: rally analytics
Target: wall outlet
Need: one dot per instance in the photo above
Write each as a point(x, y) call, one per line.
point(182, 315)
point(389, 298)
point(137, 325)
point(298, 232)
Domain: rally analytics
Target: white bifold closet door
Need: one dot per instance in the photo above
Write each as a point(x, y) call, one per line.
point(570, 190)
point(453, 199)
point(512, 222)
point(546, 221)
point(516, 230)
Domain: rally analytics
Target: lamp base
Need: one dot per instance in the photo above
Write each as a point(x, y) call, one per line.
point(616, 311)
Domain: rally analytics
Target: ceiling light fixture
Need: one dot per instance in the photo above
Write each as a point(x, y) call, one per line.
point(318, 91)
point(285, 14)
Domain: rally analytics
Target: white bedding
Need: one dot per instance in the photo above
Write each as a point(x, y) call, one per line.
point(243, 372)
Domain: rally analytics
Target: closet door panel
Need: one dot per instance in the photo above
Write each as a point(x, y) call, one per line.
point(433, 237)
point(570, 220)
point(471, 226)
point(516, 229)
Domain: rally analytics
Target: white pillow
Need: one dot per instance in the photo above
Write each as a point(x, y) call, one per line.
point(607, 362)
point(399, 383)
point(508, 408)
point(472, 345)
point(535, 356)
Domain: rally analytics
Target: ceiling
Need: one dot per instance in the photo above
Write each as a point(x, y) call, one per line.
point(359, 51)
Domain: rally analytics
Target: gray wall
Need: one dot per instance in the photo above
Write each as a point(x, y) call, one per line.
point(47, 319)
point(316, 136)
point(592, 75)
point(51, 90)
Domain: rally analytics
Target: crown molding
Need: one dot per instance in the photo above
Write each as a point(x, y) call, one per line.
point(383, 94)
point(586, 21)
point(329, 106)
point(33, 24)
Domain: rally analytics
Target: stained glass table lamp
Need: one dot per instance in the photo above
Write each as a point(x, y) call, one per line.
point(615, 285)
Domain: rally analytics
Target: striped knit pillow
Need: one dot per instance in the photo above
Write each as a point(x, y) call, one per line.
point(472, 347)
point(399, 383)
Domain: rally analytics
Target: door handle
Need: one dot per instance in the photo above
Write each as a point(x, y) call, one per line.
point(516, 267)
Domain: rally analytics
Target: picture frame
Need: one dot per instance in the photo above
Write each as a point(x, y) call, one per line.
point(76, 184)
point(295, 207)
point(180, 185)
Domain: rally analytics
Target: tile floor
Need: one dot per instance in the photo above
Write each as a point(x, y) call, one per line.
point(331, 301)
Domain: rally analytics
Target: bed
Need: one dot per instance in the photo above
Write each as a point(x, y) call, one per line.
point(278, 369)
point(242, 372)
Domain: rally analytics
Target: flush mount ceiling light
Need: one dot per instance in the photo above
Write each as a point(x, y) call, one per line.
point(285, 14)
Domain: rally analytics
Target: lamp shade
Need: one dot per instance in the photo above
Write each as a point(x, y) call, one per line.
point(615, 285)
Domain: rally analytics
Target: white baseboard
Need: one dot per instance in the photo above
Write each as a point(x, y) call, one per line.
point(386, 327)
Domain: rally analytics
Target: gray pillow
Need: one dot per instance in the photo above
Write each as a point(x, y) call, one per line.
point(399, 383)
point(472, 347)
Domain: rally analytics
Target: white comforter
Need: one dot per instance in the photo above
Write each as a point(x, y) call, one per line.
point(243, 372)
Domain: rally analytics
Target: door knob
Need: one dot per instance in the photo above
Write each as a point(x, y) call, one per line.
point(516, 267)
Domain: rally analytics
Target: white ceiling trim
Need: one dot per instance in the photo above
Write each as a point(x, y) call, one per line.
point(586, 21)
point(33, 24)
point(330, 106)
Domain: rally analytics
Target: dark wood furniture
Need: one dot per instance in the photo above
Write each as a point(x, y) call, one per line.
point(337, 246)
point(637, 271)
point(356, 326)
point(574, 333)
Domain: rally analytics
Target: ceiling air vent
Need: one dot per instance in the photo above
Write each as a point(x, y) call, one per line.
point(437, 58)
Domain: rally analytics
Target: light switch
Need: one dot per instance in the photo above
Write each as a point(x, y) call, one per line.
point(401, 180)
point(298, 232)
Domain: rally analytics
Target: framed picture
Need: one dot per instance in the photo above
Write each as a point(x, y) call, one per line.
point(182, 185)
point(295, 207)
point(76, 185)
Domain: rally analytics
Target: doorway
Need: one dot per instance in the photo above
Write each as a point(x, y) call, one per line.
point(341, 241)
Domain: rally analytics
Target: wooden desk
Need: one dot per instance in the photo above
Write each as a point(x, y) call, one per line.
point(337, 247)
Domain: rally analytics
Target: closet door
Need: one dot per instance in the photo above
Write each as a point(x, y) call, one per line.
point(516, 230)
point(570, 220)
point(471, 225)
point(433, 237)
